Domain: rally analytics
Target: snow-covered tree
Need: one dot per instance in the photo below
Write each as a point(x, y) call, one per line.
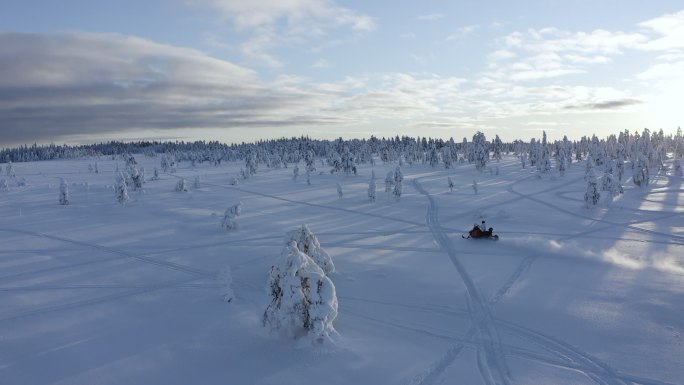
point(197, 182)
point(308, 244)
point(372, 187)
point(389, 181)
point(63, 192)
point(9, 170)
point(592, 196)
point(225, 282)
point(398, 190)
point(481, 151)
point(121, 189)
point(295, 172)
point(340, 194)
point(475, 186)
point(640, 174)
point(450, 183)
point(677, 168)
point(229, 222)
point(182, 185)
point(136, 178)
point(611, 185)
point(3, 185)
point(303, 300)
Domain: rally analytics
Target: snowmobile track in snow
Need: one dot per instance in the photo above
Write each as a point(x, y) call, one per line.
point(491, 359)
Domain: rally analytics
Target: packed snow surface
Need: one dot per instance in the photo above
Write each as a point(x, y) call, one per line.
point(98, 292)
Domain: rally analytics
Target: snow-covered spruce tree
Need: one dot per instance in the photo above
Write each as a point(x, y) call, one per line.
point(398, 183)
point(182, 185)
point(640, 175)
point(481, 151)
point(3, 185)
point(303, 300)
point(544, 160)
point(340, 194)
point(562, 159)
point(96, 168)
point(9, 170)
point(136, 178)
point(611, 185)
point(398, 189)
point(497, 147)
point(592, 196)
point(295, 172)
point(475, 186)
point(121, 189)
point(232, 212)
point(389, 181)
point(225, 282)
point(308, 244)
point(677, 171)
point(372, 187)
point(63, 192)
point(155, 176)
point(450, 183)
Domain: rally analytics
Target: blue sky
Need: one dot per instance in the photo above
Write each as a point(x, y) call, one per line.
point(85, 71)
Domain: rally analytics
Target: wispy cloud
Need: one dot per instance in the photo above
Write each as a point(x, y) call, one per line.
point(462, 32)
point(271, 24)
point(431, 17)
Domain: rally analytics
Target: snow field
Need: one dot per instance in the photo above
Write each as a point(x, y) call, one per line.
point(99, 293)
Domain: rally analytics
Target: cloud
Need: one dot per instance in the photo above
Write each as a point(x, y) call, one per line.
point(271, 24)
point(604, 105)
point(431, 17)
point(56, 86)
point(462, 32)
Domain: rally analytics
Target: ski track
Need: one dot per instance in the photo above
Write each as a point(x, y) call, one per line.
point(493, 363)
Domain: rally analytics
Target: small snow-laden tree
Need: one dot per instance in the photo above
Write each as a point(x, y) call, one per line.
point(295, 172)
point(197, 182)
point(348, 162)
point(63, 192)
point(164, 163)
point(308, 244)
point(446, 157)
point(90, 167)
point(310, 161)
point(450, 183)
point(96, 168)
point(225, 282)
point(3, 185)
point(303, 300)
point(136, 178)
point(121, 189)
point(398, 175)
point(389, 181)
point(523, 159)
point(372, 187)
point(562, 160)
point(182, 185)
point(308, 177)
point(340, 194)
point(641, 174)
point(9, 170)
point(398, 189)
point(155, 175)
point(233, 181)
point(677, 170)
point(481, 151)
point(611, 185)
point(475, 186)
point(497, 147)
point(433, 156)
point(229, 222)
point(592, 196)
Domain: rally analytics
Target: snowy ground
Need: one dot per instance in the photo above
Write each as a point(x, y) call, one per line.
point(99, 293)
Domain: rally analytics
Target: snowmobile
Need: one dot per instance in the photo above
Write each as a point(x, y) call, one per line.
point(478, 233)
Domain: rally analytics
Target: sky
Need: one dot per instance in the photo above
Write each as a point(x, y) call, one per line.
point(84, 71)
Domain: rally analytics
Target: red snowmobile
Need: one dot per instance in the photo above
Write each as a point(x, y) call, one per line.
point(479, 232)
